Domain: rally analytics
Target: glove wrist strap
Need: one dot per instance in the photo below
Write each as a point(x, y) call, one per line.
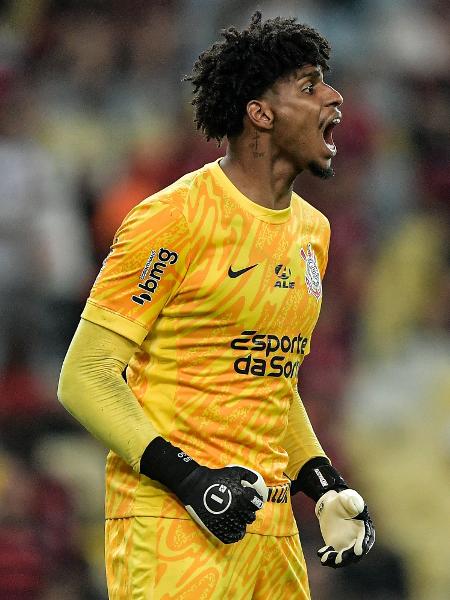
point(317, 477)
point(166, 463)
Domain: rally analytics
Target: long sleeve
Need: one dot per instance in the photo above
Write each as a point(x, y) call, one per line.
point(92, 389)
point(300, 441)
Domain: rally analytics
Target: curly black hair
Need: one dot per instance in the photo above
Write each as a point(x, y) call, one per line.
point(244, 65)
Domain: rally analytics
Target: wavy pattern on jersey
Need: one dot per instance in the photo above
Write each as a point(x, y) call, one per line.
point(185, 374)
point(171, 559)
point(206, 393)
point(119, 546)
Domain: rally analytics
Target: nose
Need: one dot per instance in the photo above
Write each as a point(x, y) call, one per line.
point(334, 97)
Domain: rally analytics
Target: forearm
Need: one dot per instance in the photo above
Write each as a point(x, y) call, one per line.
point(300, 441)
point(344, 520)
point(92, 389)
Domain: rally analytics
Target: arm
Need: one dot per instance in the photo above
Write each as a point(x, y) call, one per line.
point(92, 389)
point(120, 312)
point(300, 441)
point(344, 520)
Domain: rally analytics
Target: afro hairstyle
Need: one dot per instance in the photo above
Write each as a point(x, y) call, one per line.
point(243, 65)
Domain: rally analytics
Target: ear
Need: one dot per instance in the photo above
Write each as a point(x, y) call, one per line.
point(260, 114)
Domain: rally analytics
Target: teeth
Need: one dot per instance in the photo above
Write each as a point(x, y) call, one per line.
point(336, 121)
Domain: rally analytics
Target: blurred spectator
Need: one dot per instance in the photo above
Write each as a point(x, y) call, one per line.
point(398, 413)
point(154, 164)
point(43, 245)
point(38, 552)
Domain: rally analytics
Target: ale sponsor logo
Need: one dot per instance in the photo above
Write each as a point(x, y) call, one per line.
point(283, 274)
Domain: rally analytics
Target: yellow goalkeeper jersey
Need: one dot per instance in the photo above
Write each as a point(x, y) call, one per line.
point(222, 296)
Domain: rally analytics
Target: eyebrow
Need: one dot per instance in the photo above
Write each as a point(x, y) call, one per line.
point(315, 74)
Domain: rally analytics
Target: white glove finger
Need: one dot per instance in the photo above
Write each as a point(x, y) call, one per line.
point(352, 503)
point(324, 549)
point(361, 547)
point(327, 557)
point(259, 486)
point(358, 547)
point(331, 560)
point(338, 559)
point(346, 556)
point(257, 482)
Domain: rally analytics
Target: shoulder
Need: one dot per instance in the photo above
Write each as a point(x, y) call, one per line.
point(311, 212)
point(175, 197)
point(168, 204)
point(315, 228)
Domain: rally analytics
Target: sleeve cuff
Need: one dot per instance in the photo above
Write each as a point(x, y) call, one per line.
point(114, 322)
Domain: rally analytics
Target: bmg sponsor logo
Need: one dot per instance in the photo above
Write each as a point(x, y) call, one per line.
point(155, 273)
point(268, 354)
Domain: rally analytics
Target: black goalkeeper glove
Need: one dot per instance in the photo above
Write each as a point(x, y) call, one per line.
point(344, 520)
point(222, 501)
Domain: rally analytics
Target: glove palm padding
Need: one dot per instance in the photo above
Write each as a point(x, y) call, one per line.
point(346, 527)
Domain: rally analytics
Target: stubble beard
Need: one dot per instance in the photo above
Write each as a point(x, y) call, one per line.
point(321, 172)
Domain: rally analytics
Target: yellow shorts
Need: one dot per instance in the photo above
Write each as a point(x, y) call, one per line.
point(153, 558)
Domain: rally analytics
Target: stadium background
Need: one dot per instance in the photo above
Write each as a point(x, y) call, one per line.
point(93, 118)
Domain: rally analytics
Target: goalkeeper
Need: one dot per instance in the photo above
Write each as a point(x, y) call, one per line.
point(186, 359)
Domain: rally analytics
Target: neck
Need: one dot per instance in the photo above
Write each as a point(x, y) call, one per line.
point(259, 172)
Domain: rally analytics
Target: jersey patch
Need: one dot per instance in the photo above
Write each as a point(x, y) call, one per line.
point(312, 274)
point(150, 285)
point(268, 354)
point(284, 275)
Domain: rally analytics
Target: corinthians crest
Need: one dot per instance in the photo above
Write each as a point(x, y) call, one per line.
point(312, 273)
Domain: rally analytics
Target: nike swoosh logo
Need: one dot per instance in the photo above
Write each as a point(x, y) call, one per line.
point(234, 274)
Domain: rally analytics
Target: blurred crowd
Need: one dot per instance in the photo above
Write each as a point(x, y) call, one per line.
point(94, 117)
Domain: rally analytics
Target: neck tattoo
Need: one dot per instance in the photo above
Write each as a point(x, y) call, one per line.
point(254, 145)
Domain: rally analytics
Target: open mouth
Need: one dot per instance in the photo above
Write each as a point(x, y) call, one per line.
point(328, 135)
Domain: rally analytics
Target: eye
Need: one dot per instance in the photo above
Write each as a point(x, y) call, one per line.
point(309, 89)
